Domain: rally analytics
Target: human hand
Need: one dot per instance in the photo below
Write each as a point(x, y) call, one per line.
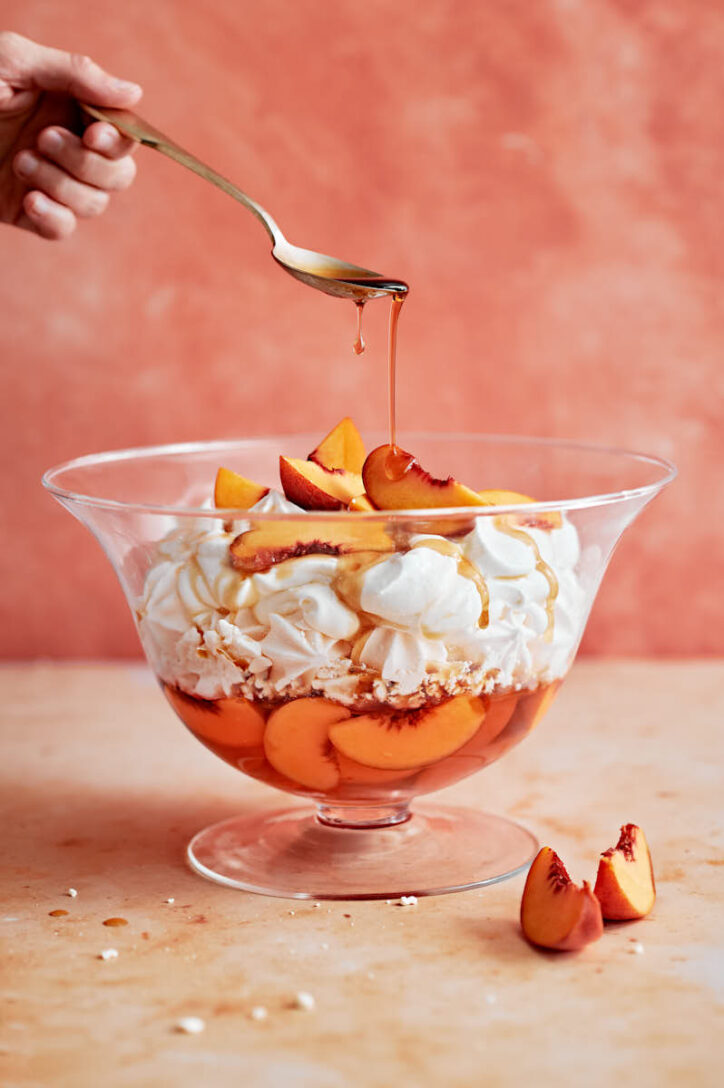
point(54, 170)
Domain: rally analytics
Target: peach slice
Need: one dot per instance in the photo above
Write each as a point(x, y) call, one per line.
point(547, 520)
point(625, 885)
point(313, 487)
point(235, 722)
point(260, 548)
point(232, 491)
point(357, 774)
point(395, 480)
point(342, 448)
point(402, 740)
point(296, 741)
point(361, 502)
point(556, 913)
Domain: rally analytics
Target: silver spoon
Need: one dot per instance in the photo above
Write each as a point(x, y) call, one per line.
point(315, 269)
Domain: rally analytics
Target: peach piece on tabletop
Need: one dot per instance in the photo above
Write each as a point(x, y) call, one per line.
point(296, 741)
point(406, 739)
point(555, 913)
point(342, 448)
point(235, 492)
point(313, 487)
point(235, 722)
point(395, 480)
point(625, 885)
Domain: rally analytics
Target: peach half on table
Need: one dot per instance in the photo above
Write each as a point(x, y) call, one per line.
point(555, 913)
point(625, 885)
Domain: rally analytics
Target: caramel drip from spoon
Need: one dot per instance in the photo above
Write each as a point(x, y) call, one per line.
point(503, 524)
point(359, 345)
point(395, 309)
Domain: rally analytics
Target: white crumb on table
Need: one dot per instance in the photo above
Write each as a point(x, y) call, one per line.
point(171, 900)
point(305, 1001)
point(108, 954)
point(637, 949)
point(72, 893)
point(407, 901)
point(190, 1025)
point(259, 1012)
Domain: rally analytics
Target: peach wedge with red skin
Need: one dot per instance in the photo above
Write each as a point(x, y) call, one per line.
point(407, 739)
point(261, 547)
point(625, 885)
point(395, 480)
point(314, 487)
point(555, 913)
point(235, 492)
point(342, 448)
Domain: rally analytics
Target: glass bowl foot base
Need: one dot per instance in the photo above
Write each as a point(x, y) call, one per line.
point(292, 854)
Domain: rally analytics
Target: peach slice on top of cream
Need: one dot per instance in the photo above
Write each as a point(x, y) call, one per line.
point(395, 480)
point(314, 487)
point(342, 448)
point(235, 492)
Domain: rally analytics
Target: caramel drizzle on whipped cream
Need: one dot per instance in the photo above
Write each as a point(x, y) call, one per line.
point(505, 525)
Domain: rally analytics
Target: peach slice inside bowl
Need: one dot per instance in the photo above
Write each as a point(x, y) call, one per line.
point(359, 715)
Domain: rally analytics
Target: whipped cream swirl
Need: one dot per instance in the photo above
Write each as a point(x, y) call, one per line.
point(501, 607)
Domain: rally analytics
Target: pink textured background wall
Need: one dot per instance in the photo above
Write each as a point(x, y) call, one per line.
point(548, 177)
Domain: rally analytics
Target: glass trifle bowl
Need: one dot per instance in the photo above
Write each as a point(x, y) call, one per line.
point(360, 658)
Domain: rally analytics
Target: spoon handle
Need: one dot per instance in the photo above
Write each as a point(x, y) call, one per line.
point(130, 124)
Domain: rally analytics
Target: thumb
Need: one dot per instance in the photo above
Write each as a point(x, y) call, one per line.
point(75, 75)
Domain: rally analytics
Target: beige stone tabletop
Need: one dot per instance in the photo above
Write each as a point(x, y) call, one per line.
point(101, 788)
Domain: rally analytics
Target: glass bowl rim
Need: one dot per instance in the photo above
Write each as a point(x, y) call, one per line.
point(645, 491)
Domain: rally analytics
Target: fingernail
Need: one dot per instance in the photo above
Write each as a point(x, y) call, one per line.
point(126, 85)
point(104, 139)
point(52, 140)
point(26, 163)
point(41, 204)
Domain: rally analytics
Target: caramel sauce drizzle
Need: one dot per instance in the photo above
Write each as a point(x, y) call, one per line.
point(395, 310)
point(504, 524)
point(359, 345)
